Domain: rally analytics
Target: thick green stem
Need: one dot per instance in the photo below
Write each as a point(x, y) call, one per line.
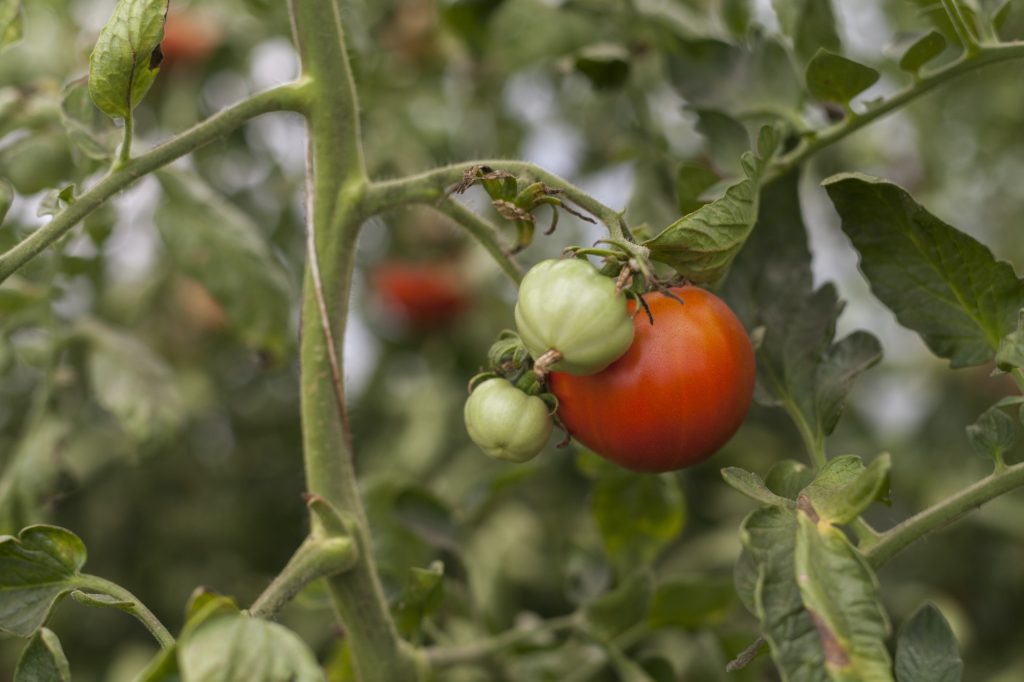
point(337, 191)
point(284, 98)
point(441, 657)
point(314, 559)
point(129, 603)
point(895, 539)
point(125, 153)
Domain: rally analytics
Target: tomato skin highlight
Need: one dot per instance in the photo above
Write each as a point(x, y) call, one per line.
point(678, 394)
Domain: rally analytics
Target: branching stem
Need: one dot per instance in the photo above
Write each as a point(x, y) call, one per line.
point(92, 583)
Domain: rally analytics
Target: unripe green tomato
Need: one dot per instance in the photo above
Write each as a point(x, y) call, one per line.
point(568, 306)
point(507, 423)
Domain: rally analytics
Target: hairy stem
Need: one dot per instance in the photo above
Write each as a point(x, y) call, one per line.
point(92, 583)
point(441, 657)
point(125, 153)
point(314, 559)
point(283, 98)
point(484, 232)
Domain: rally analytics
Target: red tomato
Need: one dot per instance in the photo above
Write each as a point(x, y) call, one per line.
point(677, 395)
point(423, 295)
point(189, 37)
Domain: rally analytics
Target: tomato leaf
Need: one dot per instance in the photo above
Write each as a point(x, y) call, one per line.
point(616, 611)
point(37, 568)
point(993, 434)
point(125, 60)
point(1010, 353)
point(936, 15)
point(788, 477)
point(737, 15)
point(751, 485)
point(421, 595)
point(637, 515)
point(834, 78)
point(10, 22)
point(43, 660)
point(702, 245)
point(218, 245)
point(89, 129)
point(31, 471)
point(691, 602)
point(810, 24)
point(940, 282)
point(606, 65)
point(725, 140)
point(693, 180)
point(845, 487)
point(840, 592)
point(923, 50)
point(926, 649)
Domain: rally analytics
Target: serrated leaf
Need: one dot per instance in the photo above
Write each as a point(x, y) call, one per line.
point(810, 24)
point(751, 485)
point(218, 245)
point(10, 22)
point(840, 591)
point(237, 648)
point(637, 515)
point(43, 660)
point(36, 569)
point(89, 129)
point(702, 245)
point(616, 611)
point(922, 51)
point(788, 477)
point(926, 649)
point(940, 282)
point(421, 595)
point(1010, 353)
point(769, 535)
point(840, 365)
point(126, 57)
point(993, 434)
point(845, 487)
point(744, 580)
point(691, 603)
point(133, 383)
point(693, 180)
point(834, 78)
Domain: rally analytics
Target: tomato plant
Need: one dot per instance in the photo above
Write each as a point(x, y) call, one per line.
point(676, 396)
point(422, 296)
point(507, 423)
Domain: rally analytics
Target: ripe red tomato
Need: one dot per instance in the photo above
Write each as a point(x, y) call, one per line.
point(677, 395)
point(189, 37)
point(422, 295)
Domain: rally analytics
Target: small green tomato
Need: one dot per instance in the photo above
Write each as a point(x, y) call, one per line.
point(571, 317)
point(507, 423)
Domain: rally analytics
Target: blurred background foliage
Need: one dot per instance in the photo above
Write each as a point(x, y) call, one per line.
point(148, 375)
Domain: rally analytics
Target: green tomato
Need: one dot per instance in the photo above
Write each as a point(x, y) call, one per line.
point(507, 423)
point(569, 307)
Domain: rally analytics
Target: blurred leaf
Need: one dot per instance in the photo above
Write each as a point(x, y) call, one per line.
point(56, 201)
point(834, 78)
point(43, 660)
point(203, 604)
point(788, 477)
point(844, 487)
point(993, 434)
point(691, 602)
point(638, 515)
point(237, 648)
point(692, 181)
point(936, 14)
point(940, 282)
point(162, 668)
point(133, 383)
point(840, 592)
point(6, 199)
point(30, 472)
point(726, 140)
point(744, 579)
point(36, 569)
point(10, 22)
point(924, 49)
point(625, 669)
point(751, 485)
point(701, 245)
point(87, 126)
point(217, 244)
point(926, 649)
point(1010, 353)
point(427, 516)
point(810, 24)
point(769, 535)
point(469, 19)
point(421, 596)
point(606, 65)
point(616, 611)
point(37, 162)
point(736, 14)
point(126, 57)
point(1001, 14)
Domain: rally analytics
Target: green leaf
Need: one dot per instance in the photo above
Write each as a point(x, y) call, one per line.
point(126, 57)
point(1010, 353)
point(606, 65)
point(637, 515)
point(810, 24)
point(693, 180)
point(691, 603)
point(133, 383)
point(926, 649)
point(744, 580)
point(840, 591)
point(834, 78)
point(922, 51)
point(726, 140)
point(702, 245)
point(993, 434)
point(769, 535)
point(788, 477)
point(936, 14)
point(162, 668)
point(844, 487)
point(36, 569)
point(1001, 14)
point(89, 129)
point(31, 471)
point(421, 596)
point(218, 245)
point(56, 200)
point(620, 609)
point(940, 282)
point(237, 648)
point(43, 660)
point(10, 22)
point(751, 485)
point(736, 14)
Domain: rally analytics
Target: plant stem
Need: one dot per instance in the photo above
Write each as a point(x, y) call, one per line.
point(440, 657)
point(314, 559)
point(985, 55)
point(94, 583)
point(963, 31)
point(125, 153)
point(486, 233)
point(895, 539)
point(283, 98)
point(337, 192)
